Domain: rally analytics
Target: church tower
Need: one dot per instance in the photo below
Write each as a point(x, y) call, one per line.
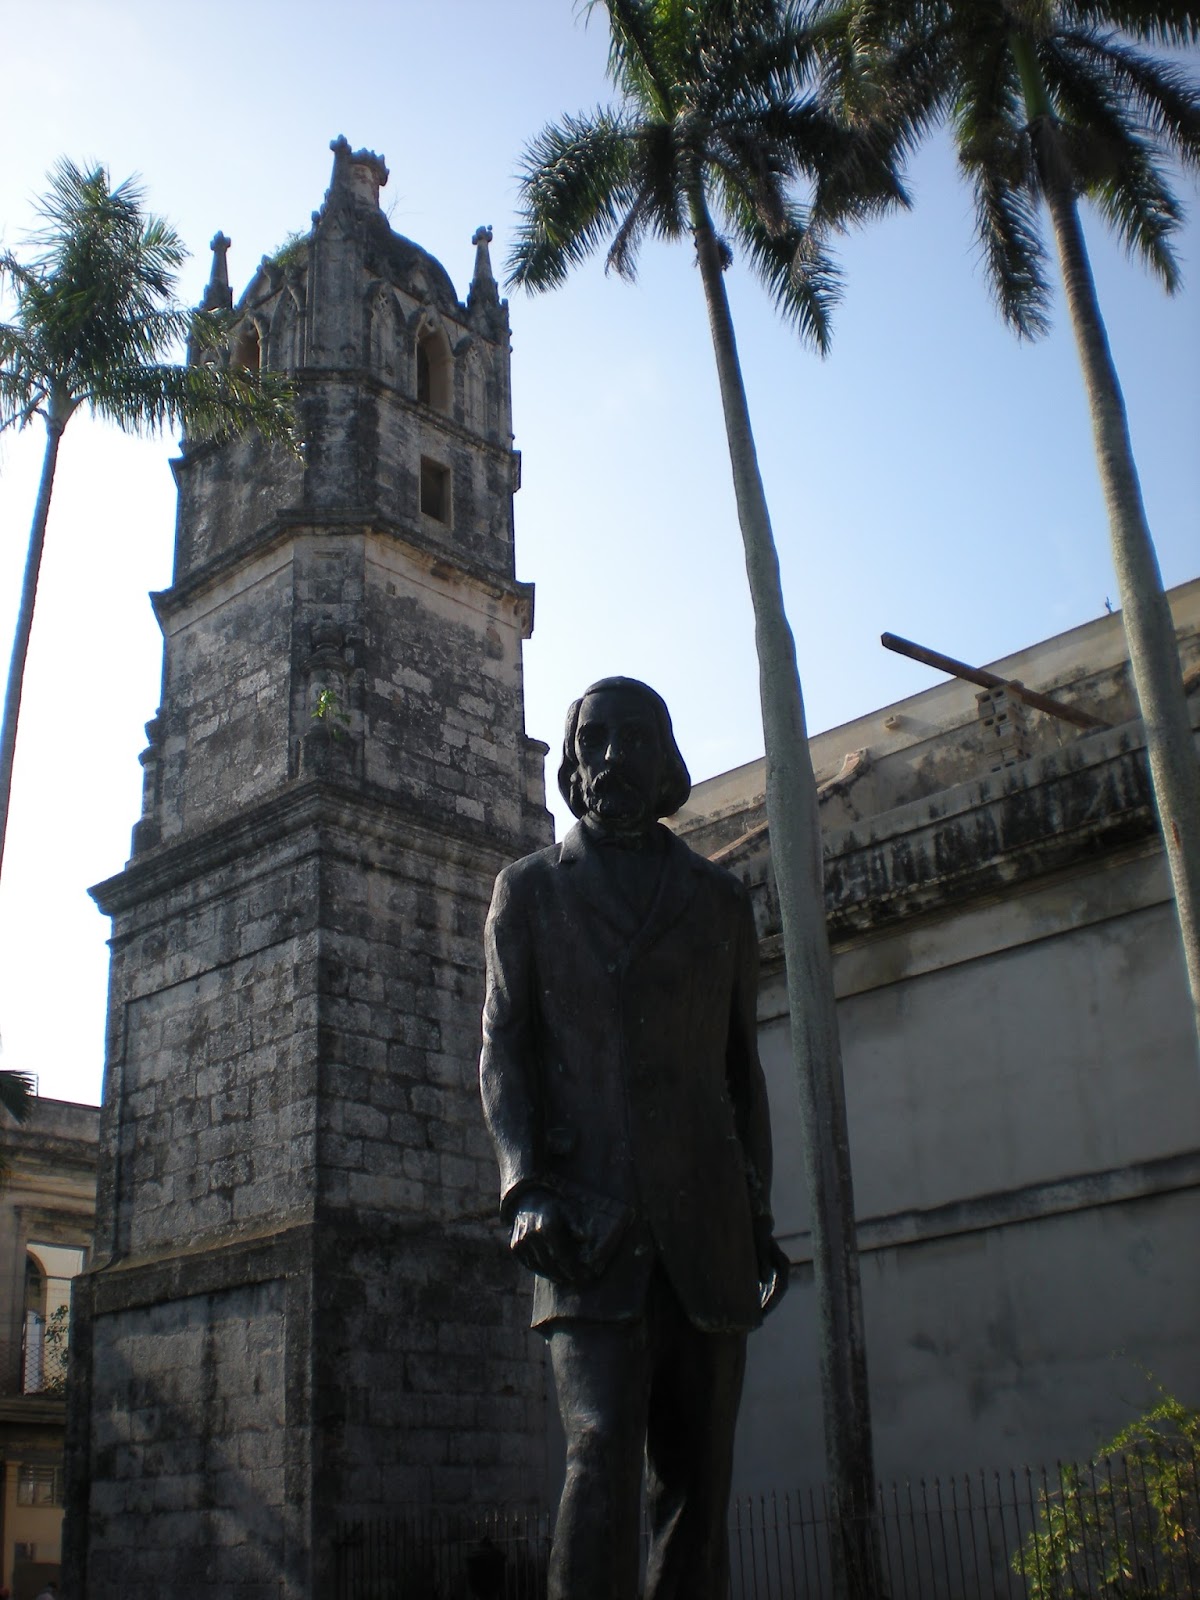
point(300, 1307)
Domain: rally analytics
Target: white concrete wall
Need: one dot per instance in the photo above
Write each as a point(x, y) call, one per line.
point(1024, 1105)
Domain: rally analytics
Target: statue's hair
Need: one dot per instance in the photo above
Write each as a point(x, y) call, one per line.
point(676, 782)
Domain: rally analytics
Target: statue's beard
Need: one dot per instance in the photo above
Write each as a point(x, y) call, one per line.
point(613, 800)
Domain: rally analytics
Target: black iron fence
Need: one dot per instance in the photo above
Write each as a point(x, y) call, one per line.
point(1122, 1528)
point(431, 1555)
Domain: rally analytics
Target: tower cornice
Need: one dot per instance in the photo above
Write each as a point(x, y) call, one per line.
point(311, 816)
point(438, 558)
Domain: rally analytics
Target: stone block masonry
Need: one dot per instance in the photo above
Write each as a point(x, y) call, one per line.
point(301, 1308)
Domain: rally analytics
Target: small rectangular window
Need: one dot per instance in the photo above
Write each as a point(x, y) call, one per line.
point(435, 490)
point(39, 1486)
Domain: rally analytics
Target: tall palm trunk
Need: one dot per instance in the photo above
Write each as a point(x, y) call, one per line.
point(796, 855)
point(20, 647)
point(1149, 630)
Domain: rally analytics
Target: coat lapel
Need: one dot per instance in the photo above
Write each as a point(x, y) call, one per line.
point(581, 861)
point(584, 862)
point(675, 890)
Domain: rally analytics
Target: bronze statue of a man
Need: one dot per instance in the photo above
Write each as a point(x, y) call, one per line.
point(623, 1091)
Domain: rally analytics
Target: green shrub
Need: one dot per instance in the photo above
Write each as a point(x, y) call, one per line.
point(1125, 1526)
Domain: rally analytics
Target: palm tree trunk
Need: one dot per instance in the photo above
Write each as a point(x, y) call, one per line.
point(20, 647)
point(796, 855)
point(1149, 630)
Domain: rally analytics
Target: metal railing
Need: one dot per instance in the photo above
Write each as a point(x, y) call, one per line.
point(1120, 1528)
point(432, 1555)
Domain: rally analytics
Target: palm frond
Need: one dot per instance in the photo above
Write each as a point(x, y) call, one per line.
point(622, 252)
point(22, 388)
point(788, 260)
point(740, 147)
point(717, 96)
point(1159, 100)
point(1113, 150)
point(635, 62)
point(213, 403)
point(996, 156)
point(877, 65)
point(659, 159)
point(754, 50)
point(17, 1094)
point(1138, 204)
point(1155, 21)
point(576, 188)
point(1014, 254)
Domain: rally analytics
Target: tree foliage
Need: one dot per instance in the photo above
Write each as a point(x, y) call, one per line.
point(1120, 115)
point(717, 139)
point(93, 324)
point(55, 1341)
point(1126, 1525)
point(95, 321)
point(16, 1094)
point(1050, 101)
point(715, 108)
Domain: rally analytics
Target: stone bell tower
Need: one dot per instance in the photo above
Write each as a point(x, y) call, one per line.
point(299, 1307)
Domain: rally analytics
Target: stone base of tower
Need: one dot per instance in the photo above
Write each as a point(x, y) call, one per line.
point(302, 1307)
point(233, 1406)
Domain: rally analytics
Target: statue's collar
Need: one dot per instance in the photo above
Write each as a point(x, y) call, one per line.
point(580, 852)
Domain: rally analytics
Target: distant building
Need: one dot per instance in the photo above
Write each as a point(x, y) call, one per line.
point(1022, 1083)
point(47, 1215)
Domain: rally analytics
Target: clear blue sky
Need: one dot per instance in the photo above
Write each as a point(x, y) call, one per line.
point(932, 477)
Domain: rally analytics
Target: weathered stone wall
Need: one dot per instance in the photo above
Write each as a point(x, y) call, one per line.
point(210, 1113)
point(190, 1447)
point(1020, 1069)
point(297, 1197)
point(443, 706)
point(221, 736)
point(428, 1382)
point(422, 659)
point(227, 496)
point(294, 1074)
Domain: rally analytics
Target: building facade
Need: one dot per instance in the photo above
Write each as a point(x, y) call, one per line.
point(47, 1211)
point(1022, 1082)
point(300, 1309)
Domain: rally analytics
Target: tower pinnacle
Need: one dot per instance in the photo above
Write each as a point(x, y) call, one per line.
point(218, 296)
point(360, 173)
point(483, 290)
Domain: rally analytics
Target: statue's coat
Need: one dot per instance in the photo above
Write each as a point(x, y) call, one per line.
point(620, 1071)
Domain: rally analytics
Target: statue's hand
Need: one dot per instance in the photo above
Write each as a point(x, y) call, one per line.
point(541, 1239)
point(773, 1266)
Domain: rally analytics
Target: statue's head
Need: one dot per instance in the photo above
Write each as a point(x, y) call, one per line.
point(620, 762)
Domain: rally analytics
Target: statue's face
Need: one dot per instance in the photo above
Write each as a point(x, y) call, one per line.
point(620, 757)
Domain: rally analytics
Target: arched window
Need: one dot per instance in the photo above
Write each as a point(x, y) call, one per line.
point(49, 1269)
point(435, 370)
point(247, 351)
point(284, 346)
point(384, 334)
point(474, 404)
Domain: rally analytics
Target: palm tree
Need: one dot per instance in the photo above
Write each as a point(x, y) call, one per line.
point(94, 319)
point(707, 121)
point(16, 1094)
point(1050, 100)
